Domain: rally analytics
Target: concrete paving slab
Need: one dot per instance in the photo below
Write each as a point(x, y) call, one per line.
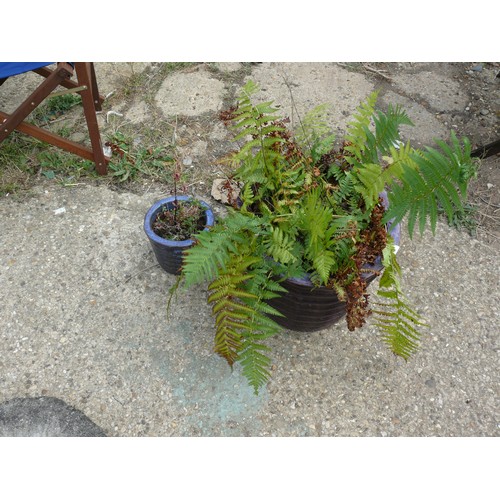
point(84, 309)
point(112, 76)
point(312, 84)
point(190, 94)
point(444, 93)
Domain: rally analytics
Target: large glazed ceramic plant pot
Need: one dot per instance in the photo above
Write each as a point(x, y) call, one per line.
point(169, 252)
point(307, 308)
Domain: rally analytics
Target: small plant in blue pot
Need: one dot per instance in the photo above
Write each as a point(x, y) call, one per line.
point(170, 223)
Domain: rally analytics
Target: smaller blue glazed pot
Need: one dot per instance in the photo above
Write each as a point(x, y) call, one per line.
point(168, 252)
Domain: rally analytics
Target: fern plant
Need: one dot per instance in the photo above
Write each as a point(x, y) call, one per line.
point(311, 206)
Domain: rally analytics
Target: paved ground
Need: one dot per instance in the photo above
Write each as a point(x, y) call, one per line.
point(83, 304)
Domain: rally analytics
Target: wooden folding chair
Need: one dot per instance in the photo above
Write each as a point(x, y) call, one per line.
point(85, 85)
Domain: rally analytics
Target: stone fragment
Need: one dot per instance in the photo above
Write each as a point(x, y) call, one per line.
point(226, 191)
point(44, 417)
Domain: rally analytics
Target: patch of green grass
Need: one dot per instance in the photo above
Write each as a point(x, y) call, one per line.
point(64, 131)
point(14, 151)
point(24, 160)
point(130, 161)
point(171, 67)
point(135, 82)
point(32, 156)
point(464, 220)
point(7, 188)
point(54, 107)
point(57, 164)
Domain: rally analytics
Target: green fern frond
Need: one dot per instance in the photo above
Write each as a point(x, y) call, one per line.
point(374, 133)
point(357, 128)
point(265, 286)
point(395, 318)
point(202, 261)
point(387, 128)
point(213, 248)
point(397, 321)
point(238, 294)
point(313, 125)
point(346, 185)
point(228, 296)
point(314, 133)
point(221, 291)
point(223, 303)
point(431, 179)
point(253, 172)
point(315, 217)
point(249, 89)
point(326, 241)
point(323, 262)
point(371, 182)
point(255, 364)
point(250, 118)
point(397, 157)
point(280, 247)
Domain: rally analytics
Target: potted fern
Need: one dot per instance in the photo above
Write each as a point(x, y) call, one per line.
point(313, 214)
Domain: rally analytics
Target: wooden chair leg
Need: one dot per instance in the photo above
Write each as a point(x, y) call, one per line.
point(91, 101)
point(54, 139)
point(85, 76)
point(98, 99)
point(42, 91)
point(70, 84)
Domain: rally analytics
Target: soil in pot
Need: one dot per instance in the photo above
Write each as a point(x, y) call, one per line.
point(181, 221)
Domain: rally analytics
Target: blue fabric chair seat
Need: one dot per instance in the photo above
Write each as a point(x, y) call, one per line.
point(16, 68)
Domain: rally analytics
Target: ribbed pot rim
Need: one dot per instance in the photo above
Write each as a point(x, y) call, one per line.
point(157, 206)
